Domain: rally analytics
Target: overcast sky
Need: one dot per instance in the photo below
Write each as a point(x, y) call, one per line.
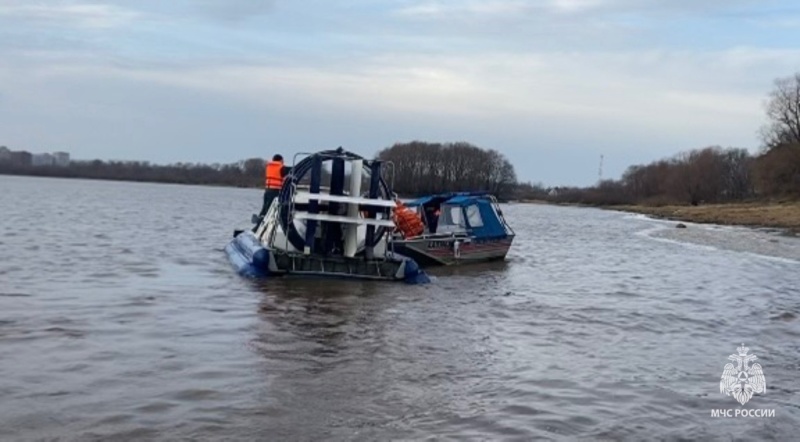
point(552, 84)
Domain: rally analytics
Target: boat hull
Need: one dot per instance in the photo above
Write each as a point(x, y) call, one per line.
point(251, 258)
point(432, 251)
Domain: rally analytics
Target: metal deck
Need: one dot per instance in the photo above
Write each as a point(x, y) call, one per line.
point(336, 266)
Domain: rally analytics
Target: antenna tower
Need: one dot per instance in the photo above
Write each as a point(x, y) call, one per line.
point(600, 170)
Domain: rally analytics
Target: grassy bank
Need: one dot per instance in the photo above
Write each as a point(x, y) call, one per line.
point(784, 215)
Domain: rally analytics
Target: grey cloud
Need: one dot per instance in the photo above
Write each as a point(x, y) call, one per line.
point(685, 5)
point(83, 15)
point(219, 10)
point(111, 13)
point(515, 9)
point(233, 10)
point(656, 6)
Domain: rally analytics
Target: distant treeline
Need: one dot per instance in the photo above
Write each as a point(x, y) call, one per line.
point(424, 168)
point(419, 168)
point(710, 175)
point(248, 173)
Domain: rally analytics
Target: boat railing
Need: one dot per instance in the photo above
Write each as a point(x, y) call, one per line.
point(496, 206)
point(437, 236)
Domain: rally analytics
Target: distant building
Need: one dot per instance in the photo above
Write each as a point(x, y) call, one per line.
point(43, 159)
point(24, 158)
point(21, 158)
point(61, 159)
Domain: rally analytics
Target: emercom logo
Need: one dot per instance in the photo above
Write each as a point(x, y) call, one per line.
point(742, 378)
point(742, 412)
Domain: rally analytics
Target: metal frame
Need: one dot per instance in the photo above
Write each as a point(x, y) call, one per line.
point(347, 199)
point(387, 237)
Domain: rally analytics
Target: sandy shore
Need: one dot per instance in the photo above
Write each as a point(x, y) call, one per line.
point(779, 215)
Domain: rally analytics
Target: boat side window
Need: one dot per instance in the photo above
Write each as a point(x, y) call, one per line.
point(455, 216)
point(474, 216)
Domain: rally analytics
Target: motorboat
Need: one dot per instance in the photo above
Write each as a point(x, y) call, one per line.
point(460, 228)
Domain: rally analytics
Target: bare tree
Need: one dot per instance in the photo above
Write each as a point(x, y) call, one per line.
point(777, 172)
point(783, 111)
point(738, 167)
point(253, 167)
point(423, 168)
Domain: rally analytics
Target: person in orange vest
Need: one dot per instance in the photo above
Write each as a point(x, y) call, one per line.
point(274, 173)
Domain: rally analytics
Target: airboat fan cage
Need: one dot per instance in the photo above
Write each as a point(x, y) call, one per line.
point(335, 203)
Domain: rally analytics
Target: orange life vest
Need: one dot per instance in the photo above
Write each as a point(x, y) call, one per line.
point(407, 221)
point(272, 174)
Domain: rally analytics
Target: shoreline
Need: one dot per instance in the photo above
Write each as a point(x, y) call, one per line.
point(783, 215)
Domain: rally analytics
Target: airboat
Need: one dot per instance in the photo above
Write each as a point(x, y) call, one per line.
point(333, 218)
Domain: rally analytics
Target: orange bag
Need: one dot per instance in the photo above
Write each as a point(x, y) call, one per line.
point(407, 221)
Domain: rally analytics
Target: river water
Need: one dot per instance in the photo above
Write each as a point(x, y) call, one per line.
point(121, 319)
